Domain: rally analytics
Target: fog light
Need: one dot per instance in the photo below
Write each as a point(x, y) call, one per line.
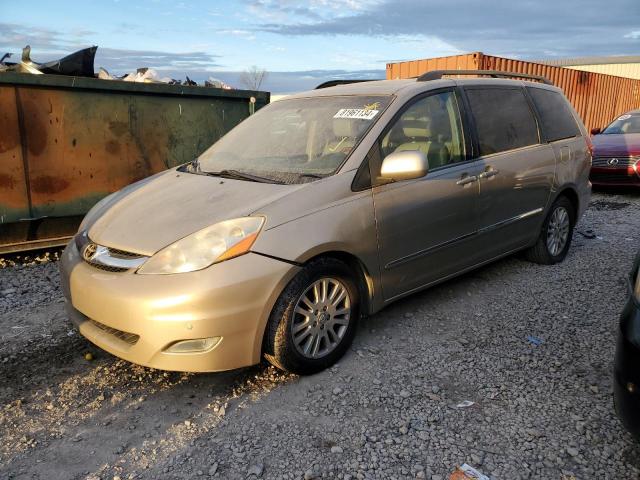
point(631, 387)
point(193, 346)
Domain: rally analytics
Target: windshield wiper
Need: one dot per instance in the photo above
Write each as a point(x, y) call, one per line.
point(310, 175)
point(237, 175)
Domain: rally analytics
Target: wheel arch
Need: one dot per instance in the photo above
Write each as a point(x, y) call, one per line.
point(364, 281)
point(571, 193)
point(362, 276)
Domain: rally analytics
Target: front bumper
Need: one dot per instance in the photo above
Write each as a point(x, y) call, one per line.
point(614, 177)
point(627, 369)
point(137, 317)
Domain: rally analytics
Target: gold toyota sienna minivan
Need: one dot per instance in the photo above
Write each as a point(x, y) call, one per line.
point(322, 208)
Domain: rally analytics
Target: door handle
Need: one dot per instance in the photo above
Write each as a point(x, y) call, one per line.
point(466, 180)
point(488, 173)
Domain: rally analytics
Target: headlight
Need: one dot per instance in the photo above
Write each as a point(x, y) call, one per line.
point(210, 245)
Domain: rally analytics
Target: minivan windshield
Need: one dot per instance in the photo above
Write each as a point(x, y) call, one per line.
point(624, 124)
point(294, 141)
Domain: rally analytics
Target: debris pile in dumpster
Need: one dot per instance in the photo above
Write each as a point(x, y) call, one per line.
point(81, 64)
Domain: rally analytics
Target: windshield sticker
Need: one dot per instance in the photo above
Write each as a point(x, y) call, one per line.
point(372, 106)
point(357, 113)
point(624, 117)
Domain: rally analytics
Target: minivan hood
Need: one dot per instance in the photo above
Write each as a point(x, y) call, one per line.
point(175, 204)
point(610, 145)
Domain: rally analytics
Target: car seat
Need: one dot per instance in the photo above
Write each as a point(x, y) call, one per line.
point(420, 137)
point(346, 132)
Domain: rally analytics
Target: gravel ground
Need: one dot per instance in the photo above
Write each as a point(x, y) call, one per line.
point(390, 409)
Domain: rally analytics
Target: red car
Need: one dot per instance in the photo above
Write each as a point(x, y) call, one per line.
point(616, 152)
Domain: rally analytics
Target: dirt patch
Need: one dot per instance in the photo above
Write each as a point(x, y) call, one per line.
point(605, 205)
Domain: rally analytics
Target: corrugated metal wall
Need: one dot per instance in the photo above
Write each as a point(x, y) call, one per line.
point(628, 70)
point(598, 98)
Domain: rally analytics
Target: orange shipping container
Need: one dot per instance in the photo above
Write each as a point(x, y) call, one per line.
point(598, 98)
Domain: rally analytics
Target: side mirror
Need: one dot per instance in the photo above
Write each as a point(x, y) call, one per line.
point(596, 131)
point(405, 165)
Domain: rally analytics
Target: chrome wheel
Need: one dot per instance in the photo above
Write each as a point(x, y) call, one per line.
point(321, 318)
point(558, 231)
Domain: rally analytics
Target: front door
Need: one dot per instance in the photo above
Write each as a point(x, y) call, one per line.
point(426, 226)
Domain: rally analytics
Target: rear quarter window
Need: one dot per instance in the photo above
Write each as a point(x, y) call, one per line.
point(556, 119)
point(503, 119)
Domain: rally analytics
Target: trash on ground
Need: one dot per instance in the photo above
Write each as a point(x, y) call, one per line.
point(589, 234)
point(536, 341)
point(467, 472)
point(465, 404)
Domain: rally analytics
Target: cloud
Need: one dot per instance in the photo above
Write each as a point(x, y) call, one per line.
point(279, 82)
point(48, 44)
point(14, 37)
point(314, 10)
point(521, 28)
point(121, 61)
point(238, 32)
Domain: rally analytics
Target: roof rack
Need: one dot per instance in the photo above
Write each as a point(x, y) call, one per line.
point(438, 74)
point(333, 83)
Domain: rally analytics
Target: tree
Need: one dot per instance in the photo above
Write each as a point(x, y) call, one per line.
point(253, 77)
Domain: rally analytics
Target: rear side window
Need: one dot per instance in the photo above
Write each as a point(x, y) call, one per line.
point(503, 119)
point(555, 115)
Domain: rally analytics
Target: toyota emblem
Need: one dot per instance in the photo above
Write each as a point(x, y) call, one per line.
point(89, 251)
point(613, 162)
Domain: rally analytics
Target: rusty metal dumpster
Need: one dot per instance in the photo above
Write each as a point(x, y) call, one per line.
point(66, 142)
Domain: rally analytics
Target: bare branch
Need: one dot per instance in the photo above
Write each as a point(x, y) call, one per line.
point(253, 77)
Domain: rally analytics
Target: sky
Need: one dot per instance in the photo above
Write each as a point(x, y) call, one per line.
point(301, 44)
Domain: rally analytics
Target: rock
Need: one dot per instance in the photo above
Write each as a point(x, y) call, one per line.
point(337, 391)
point(574, 452)
point(256, 470)
point(336, 449)
point(310, 475)
point(213, 469)
point(405, 393)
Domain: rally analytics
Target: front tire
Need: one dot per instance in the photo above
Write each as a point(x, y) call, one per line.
point(315, 318)
point(556, 234)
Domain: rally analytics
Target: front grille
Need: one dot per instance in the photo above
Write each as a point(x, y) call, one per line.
point(130, 338)
point(114, 252)
point(614, 178)
point(111, 259)
point(623, 162)
point(106, 268)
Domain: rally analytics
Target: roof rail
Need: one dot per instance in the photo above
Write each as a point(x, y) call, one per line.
point(438, 74)
point(333, 83)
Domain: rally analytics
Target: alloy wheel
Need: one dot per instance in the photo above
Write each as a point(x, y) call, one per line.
point(558, 231)
point(321, 317)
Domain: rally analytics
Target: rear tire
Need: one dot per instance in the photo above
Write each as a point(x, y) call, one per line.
point(314, 320)
point(555, 235)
